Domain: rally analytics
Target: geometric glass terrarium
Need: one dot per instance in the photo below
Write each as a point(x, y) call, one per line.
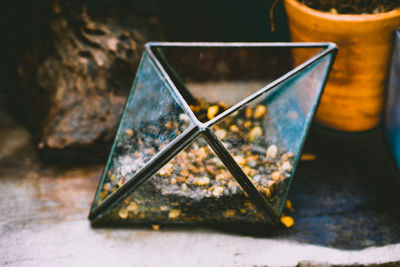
point(212, 133)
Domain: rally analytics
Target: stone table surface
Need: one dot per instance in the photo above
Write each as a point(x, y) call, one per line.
point(346, 213)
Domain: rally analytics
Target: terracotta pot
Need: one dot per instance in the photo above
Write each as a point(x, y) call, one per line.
point(354, 95)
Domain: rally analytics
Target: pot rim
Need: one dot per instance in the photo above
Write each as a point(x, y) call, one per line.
point(343, 17)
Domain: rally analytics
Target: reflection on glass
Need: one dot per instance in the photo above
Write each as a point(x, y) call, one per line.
point(265, 135)
point(152, 119)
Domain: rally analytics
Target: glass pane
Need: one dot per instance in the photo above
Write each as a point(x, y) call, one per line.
point(153, 118)
point(265, 136)
point(194, 187)
point(392, 130)
point(228, 74)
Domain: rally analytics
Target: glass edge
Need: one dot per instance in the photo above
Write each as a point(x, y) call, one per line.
point(118, 133)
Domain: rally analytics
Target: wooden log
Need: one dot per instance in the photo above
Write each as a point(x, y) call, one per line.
point(74, 85)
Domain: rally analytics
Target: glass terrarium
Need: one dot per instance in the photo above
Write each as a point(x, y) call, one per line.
point(212, 133)
point(392, 122)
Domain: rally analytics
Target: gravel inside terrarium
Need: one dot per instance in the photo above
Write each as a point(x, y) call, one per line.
point(196, 173)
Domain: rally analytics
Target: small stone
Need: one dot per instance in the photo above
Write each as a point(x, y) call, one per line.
point(333, 11)
point(217, 191)
point(220, 133)
point(212, 170)
point(123, 213)
point(267, 192)
point(155, 227)
point(168, 125)
point(221, 177)
point(288, 205)
point(223, 105)
point(276, 175)
point(202, 181)
point(172, 181)
point(164, 208)
point(184, 187)
point(286, 166)
point(247, 170)
point(287, 221)
point(234, 189)
point(255, 133)
point(260, 111)
point(248, 112)
point(257, 178)
point(308, 157)
point(174, 213)
point(240, 160)
point(234, 128)
point(272, 151)
point(132, 207)
point(184, 173)
point(229, 213)
point(129, 132)
point(247, 124)
point(184, 117)
point(212, 111)
point(195, 109)
point(201, 153)
point(120, 183)
point(106, 186)
point(251, 163)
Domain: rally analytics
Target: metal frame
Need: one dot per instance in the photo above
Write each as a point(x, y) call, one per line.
point(183, 140)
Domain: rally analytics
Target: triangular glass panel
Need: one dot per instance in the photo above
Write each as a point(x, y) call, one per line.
point(266, 134)
point(194, 187)
point(251, 102)
point(152, 119)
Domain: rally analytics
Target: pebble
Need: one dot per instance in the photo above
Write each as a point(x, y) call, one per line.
point(267, 192)
point(251, 163)
point(174, 213)
point(287, 221)
point(234, 189)
point(240, 160)
point(212, 111)
point(276, 175)
point(234, 128)
point(248, 112)
point(272, 151)
point(123, 213)
point(257, 178)
point(202, 181)
point(217, 191)
point(132, 207)
point(129, 132)
point(184, 187)
point(288, 205)
point(229, 213)
point(255, 133)
point(260, 111)
point(221, 133)
point(164, 208)
point(155, 227)
point(184, 117)
point(286, 166)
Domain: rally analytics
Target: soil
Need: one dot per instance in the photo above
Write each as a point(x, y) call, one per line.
point(352, 6)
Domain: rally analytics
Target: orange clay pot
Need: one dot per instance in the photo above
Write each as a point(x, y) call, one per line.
point(354, 95)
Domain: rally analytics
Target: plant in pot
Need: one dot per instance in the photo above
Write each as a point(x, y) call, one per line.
point(363, 30)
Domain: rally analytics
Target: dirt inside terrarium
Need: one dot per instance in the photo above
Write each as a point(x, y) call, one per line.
point(195, 186)
point(353, 6)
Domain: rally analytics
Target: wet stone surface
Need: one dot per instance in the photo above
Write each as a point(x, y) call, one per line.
point(195, 186)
